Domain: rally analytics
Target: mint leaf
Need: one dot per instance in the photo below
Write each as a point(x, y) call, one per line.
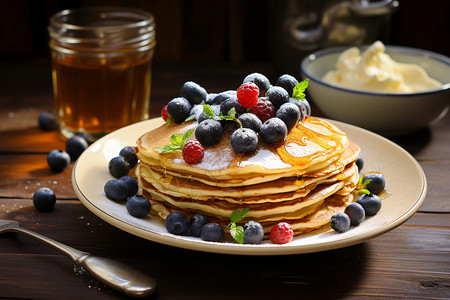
point(230, 116)
point(208, 111)
point(190, 118)
point(237, 232)
point(176, 139)
point(186, 136)
point(299, 90)
point(363, 191)
point(238, 214)
point(169, 121)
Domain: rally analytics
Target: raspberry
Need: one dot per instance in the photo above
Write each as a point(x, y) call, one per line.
point(281, 233)
point(247, 94)
point(193, 152)
point(164, 114)
point(263, 109)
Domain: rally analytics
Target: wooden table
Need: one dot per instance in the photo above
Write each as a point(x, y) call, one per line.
point(409, 262)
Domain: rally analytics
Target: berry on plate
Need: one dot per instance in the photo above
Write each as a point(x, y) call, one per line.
point(177, 223)
point(247, 94)
point(263, 109)
point(340, 222)
point(118, 166)
point(376, 184)
point(193, 152)
point(132, 184)
point(281, 233)
point(129, 155)
point(356, 213)
point(197, 222)
point(253, 232)
point(212, 232)
point(370, 202)
point(138, 206)
point(116, 190)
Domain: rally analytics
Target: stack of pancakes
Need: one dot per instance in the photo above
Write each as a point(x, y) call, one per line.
point(302, 181)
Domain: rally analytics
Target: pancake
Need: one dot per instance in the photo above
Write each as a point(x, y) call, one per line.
point(302, 181)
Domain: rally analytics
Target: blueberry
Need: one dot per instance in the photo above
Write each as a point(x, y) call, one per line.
point(360, 163)
point(47, 121)
point(138, 206)
point(356, 213)
point(44, 199)
point(340, 222)
point(273, 131)
point(244, 140)
point(212, 232)
point(228, 104)
point(129, 155)
point(376, 184)
point(177, 223)
point(208, 132)
point(301, 107)
point(305, 103)
point(210, 97)
point(58, 160)
point(249, 120)
point(253, 233)
point(179, 109)
point(132, 184)
point(260, 80)
point(193, 92)
point(221, 97)
point(116, 190)
point(370, 202)
point(75, 146)
point(118, 166)
point(290, 114)
point(287, 82)
point(278, 96)
point(197, 222)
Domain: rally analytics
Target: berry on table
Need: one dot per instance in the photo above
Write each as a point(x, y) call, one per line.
point(273, 131)
point(253, 232)
point(370, 202)
point(356, 213)
point(193, 92)
point(138, 206)
point(75, 146)
point(193, 152)
point(177, 223)
point(290, 114)
point(250, 120)
point(132, 184)
point(208, 132)
point(196, 224)
point(129, 155)
point(278, 96)
point(247, 94)
point(263, 109)
point(179, 109)
point(281, 233)
point(118, 166)
point(58, 160)
point(212, 232)
point(44, 199)
point(340, 222)
point(260, 80)
point(47, 120)
point(376, 184)
point(244, 140)
point(287, 82)
point(116, 190)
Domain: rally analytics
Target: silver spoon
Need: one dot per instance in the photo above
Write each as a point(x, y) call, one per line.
point(112, 273)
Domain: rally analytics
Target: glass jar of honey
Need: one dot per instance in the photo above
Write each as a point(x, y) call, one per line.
point(101, 68)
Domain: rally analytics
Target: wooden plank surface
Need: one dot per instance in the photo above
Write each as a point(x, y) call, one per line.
point(409, 262)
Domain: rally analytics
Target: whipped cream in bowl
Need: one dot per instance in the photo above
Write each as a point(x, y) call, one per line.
point(391, 90)
point(374, 70)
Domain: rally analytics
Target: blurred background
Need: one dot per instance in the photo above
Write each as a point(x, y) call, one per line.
point(275, 34)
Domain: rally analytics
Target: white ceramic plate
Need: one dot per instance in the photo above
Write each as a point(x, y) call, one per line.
point(405, 180)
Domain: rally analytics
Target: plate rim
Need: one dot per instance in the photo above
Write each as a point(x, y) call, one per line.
point(247, 249)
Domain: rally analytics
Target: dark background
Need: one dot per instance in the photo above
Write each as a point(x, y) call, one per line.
point(231, 31)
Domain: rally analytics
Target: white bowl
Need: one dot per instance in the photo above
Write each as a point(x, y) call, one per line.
point(385, 113)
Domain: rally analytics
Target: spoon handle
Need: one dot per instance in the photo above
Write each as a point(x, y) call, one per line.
point(112, 273)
